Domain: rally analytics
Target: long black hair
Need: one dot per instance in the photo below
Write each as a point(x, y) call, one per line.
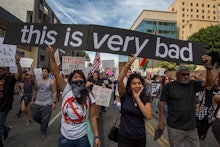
point(143, 92)
point(85, 91)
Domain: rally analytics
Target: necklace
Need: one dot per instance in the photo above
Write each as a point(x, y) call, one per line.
point(135, 103)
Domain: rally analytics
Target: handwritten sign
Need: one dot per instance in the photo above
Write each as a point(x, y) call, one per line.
point(7, 54)
point(69, 64)
point(102, 95)
point(161, 71)
point(38, 72)
point(26, 62)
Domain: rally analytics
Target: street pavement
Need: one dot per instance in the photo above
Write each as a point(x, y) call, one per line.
point(22, 136)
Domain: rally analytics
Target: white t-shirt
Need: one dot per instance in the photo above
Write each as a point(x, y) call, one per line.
point(74, 130)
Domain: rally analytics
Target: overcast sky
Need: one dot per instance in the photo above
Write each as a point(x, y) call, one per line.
point(114, 13)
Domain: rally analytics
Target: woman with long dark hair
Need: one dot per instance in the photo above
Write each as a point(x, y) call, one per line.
point(135, 108)
point(76, 100)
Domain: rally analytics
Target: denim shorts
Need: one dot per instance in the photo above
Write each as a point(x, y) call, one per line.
point(81, 142)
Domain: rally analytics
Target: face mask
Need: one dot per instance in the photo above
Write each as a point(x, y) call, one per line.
point(77, 87)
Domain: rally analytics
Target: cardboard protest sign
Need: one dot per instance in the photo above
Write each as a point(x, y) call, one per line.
point(69, 64)
point(102, 95)
point(161, 71)
point(26, 62)
point(105, 39)
point(7, 54)
point(108, 63)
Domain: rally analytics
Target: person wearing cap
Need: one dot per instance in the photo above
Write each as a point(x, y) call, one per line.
point(7, 83)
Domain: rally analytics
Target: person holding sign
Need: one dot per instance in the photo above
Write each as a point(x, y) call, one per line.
point(78, 102)
point(7, 83)
point(135, 108)
point(180, 98)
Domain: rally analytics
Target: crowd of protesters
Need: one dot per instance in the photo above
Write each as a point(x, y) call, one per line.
point(133, 94)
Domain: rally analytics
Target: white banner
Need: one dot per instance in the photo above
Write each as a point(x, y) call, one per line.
point(102, 95)
point(26, 62)
point(155, 88)
point(69, 64)
point(7, 54)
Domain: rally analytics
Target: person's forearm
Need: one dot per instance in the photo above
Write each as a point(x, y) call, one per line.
point(209, 77)
point(33, 96)
point(161, 112)
point(53, 66)
point(55, 97)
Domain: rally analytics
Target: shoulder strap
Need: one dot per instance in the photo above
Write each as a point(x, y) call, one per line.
point(117, 119)
point(216, 110)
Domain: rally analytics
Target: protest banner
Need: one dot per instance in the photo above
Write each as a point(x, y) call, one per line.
point(26, 62)
point(105, 39)
point(161, 71)
point(108, 63)
point(7, 54)
point(102, 95)
point(69, 64)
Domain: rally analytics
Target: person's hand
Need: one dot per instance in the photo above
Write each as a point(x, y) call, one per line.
point(50, 49)
point(136, 95)
point(97, 142)
point(161, 126)
point(17, 58)
point(54, 106)
point(207, 60)
point(131, 59)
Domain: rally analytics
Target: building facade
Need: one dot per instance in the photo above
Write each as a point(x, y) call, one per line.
point(160, 23)
point(31, 11)
point(193, 15)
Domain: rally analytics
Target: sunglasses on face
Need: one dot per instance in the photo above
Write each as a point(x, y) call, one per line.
point(184, 74)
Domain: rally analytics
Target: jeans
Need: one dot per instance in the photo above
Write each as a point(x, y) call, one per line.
point(3, 128)
point(41, 114)
point(81, 142)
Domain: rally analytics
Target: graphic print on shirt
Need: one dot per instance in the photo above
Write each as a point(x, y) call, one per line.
point(42, 88)
point(73, 112)
point(1, 87)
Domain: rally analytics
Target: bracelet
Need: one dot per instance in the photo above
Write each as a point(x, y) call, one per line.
point(54, 102)
point(96, 137)
point(127, 65)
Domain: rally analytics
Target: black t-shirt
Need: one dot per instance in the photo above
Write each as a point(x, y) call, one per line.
point(208, 97)
point(95, 82)
point(7, 92)
point(181, 103)
point(108, 83)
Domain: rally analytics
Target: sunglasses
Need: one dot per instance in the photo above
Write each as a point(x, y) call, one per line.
point(184, 74)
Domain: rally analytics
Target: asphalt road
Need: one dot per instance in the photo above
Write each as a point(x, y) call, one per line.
point(22, 136)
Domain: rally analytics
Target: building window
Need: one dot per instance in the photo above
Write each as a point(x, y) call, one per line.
point(208, 11)
point(208, 5)
point(191, 4)
point(173, 9)
point(191, 10)
point(203, 17)
point(203, 11)
point(213, 12)
point(208, 17)
point(213, 6)
point(183, 20)
point(2, 32)
point(197, 10)
point(214, 17)
point(42, 58)
point(197, 16)
point(183, 15)
point(202, 5)
point(182, 3)
point(191, 16)
point(183, 9)
point(197, 4)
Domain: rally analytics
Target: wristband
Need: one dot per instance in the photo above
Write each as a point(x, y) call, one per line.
point(127, 65)
point(54, 102)
point(96, 137)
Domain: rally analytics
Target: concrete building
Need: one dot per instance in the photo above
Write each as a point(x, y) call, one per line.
point(33, 11)
point(154, 22)
point(193, 15)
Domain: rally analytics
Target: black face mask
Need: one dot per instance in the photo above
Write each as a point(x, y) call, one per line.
point(77, 87)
